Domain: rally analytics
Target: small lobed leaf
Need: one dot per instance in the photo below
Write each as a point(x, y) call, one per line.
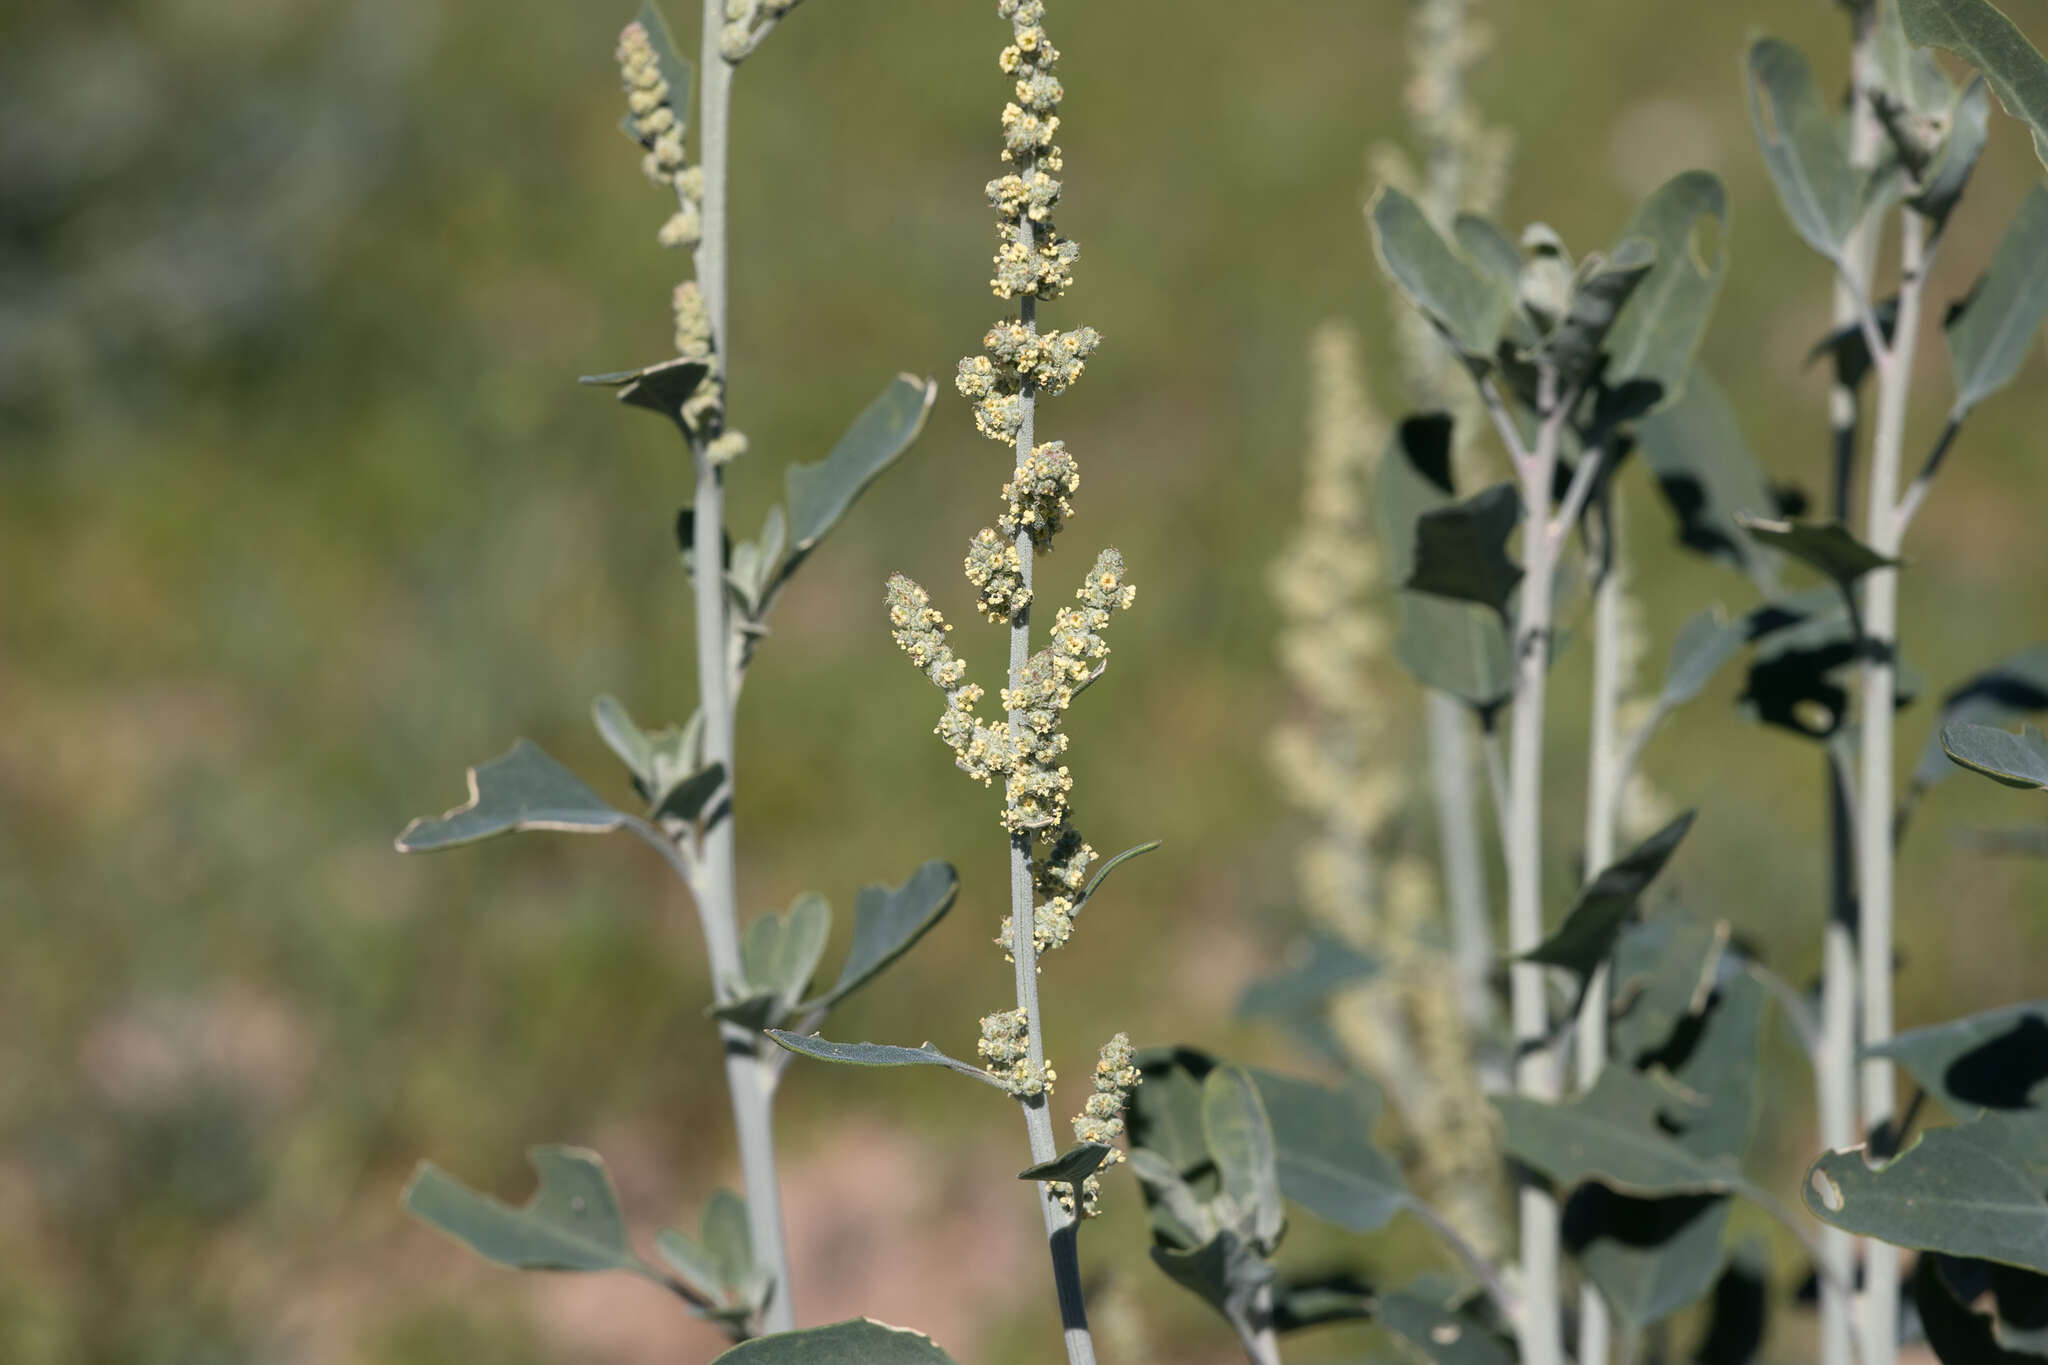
point(524, 789)
point(780, 952)
point(889, 920)
point(858, 1341)
point(819, 494)
point(1587, 936)
point(876, 1054)
point(1979, 1189)
point(1990, 334)
point(1469, 304)
point(572, 1222)
point(2019, 760)
point(1654, 339)
point(1461, 550)
point(1828, 546)
point(1075, 1164)
point(1821, 192)
point(1981, 35)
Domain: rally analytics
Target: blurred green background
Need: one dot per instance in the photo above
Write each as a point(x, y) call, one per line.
point(301, 512)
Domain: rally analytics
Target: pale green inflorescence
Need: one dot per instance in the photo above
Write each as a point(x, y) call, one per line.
point(1018, 365)
point(1102, 1118)
point(660, 128)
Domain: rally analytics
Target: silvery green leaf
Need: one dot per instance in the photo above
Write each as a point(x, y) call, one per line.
point(1458, 648)
point(1598, 296)
point(1828, 546)
point(2019, 760)
point(1467, 303)
point(1981, 35)
point(1071, 1166)
point(1905, 73)
point(1975, 1190)
point(1179, 1217)
point(877, 1054)
point(572, 1222)
point(1704, 644)
point(1442, 1335)
point(2009, 690)
point(1942, 184)
point(780, 952)
point(1239, 1136)
point(1648, 1257)
point(1586, 938)
point(1821, 192)
point(1319, 966)
point(1461, 551)
point(859, 1341)
point(1095, 882)
point(616, 728)
point(1324, 1154)
point(1226, 1272)
point(1991, 334)
point(1654, 339)
point(719, 1264)
point(1166, 1110)
point(1414, 477)
point(662, 387)
point(1615, 1133)
point(1664, 971)
point(889, 920)
point(819, 494)
point(1994, 1060)
point(1708, 477)
point(524, 789)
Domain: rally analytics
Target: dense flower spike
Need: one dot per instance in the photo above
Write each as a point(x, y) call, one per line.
point(1102, 1117)
point(1006, 1048)
point(659, 126)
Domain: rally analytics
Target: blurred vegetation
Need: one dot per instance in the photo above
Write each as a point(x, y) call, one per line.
point(301, 512)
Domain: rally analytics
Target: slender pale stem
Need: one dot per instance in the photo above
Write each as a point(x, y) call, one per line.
point(1464, 862)
point(1875, 789)
point(1061, 1226)
point(1260, 1339)
point(1540, 1331)
point(1835, 1055)
point(749, 1080)
point(1603, 782)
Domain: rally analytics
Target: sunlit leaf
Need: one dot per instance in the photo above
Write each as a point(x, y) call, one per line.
point(889, 920)
point(819, 494)
point(572, 1222)
point(1992, 333)
point(1654, 340)
point(1239, 1136)
point(1324, 1153)
point(860, 1341)
point(1981, 35)
point(1979, 1189)
point(876, 1054)
point(525, 789)
point(1468, 303)
point(1821, 192)
point(2019, 760)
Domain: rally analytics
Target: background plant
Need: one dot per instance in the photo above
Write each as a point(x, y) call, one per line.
point(261, 584)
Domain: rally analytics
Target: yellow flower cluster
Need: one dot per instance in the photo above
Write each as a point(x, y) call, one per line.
point(1018, 359)
point(1032, 259)
point(1005, 1049)
point(1039, 494)
point(996, 569)
point(1102, 1118)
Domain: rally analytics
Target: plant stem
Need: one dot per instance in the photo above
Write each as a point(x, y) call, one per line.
point(1464, 862)
point(1875, 788)
point(1060, 1225)
point(1603, 781)
point(750, 1083)
point(1260, 1340)
point(1539, 1330)
point(1835, 1056)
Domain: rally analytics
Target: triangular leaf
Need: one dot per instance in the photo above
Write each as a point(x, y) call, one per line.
point(1587, 935)
point(1821, 192)
point(1994, 1060)
point(1828, 546)
point(524, 789)
point(1990, 335)
point(1461, 550)
point(819, 494)
point(888, 920)
point(1071, 1166)
point(662, 387)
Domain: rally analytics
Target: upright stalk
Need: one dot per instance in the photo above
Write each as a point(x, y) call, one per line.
point(749, 1082)
point(1060, 1224)
point(1535, 1070)
point(1835, 1057)
point(1603, 779)
point(1875, 786)
point(1464, 861)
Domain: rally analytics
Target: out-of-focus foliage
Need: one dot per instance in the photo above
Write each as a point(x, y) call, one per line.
point(301, 511)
